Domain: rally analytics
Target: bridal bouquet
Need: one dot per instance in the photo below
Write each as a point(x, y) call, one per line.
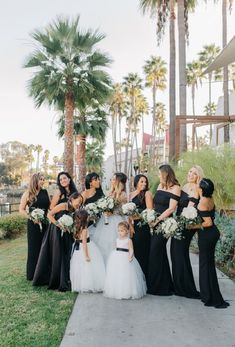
point(130, 209)
point(38, 216)
point(169, 228)
point(189, 216)
point(93, 211)
point(65, 223)
point(148, 216)
point(105, 205)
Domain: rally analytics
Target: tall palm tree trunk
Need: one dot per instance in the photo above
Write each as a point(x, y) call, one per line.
point(153, 124)
point(225, 71)
point(68, 133)
point(126, 150)
point(81, 161)
point(172, 83)
point(114, 131)
point(210, 81)
point(120, 142)
point(182, 72)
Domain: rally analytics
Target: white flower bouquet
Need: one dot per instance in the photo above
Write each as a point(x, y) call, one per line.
point(189, 216)
point(130, 209)
point(105, 205)
point(37, 215)
point(65, 223)
point(93, 211)
point(148, 216)
point(169, 228)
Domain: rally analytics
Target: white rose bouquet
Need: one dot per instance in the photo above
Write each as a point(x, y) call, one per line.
point(189, 216)
point(130, 209)
point(169, 228)
point(148, 216)
point(105, 205)
point(93, 211)
point(37, 215)
point(65, 223)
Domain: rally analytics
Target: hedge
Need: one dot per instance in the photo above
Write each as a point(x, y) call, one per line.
point(12, 225)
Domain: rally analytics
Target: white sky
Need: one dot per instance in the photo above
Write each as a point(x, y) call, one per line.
point(130, 40)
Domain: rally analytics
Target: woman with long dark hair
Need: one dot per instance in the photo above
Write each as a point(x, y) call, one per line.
point(208, 236)
point(66, 187)
point(141, 236)
point(54, 259)
point(93, 190)
point(165, 203)
point(182, 273)
point(34, 197)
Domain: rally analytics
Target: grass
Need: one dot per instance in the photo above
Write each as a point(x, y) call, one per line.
point(29, 316)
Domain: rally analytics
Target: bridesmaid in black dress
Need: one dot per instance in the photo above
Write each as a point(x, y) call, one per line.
point(165, 203)
point(93, 190)
point(54, 260)
point(34, 197)
point(182, 273)
point(66, 187)
point(141, 236)
point(208, 235)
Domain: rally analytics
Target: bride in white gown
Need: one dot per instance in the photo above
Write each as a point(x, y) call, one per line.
point(105, 235)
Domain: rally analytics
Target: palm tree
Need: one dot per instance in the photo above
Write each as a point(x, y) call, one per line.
point(142, 110)
point(38, 149)
point(160, 123)
point(45, 159)
point(155, 72)
point(210, 109)
point(132, 87)
point(31, 149)
point(94, 156)
point(194, 76)
point(69, 72)
point(88, 122)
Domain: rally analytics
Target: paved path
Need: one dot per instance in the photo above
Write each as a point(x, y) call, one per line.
point(153, 321)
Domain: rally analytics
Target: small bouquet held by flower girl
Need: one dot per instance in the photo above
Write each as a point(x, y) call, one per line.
point(37, 215)
point(65, 223)
point(189, 216)
point(130, 209)
point(169, 228)
point(105, 205)
point(93, 211)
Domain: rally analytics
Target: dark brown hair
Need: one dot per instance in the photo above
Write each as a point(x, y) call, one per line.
point(81, 222)
point(73, 196)
point(141, 195)
point(170, 179)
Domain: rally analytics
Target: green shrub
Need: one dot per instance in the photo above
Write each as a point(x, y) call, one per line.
point(12, 225)
point(218, 165)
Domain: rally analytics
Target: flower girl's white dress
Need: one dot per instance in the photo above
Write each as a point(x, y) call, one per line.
point(104, 235)
point(124, 279)
point(86, 276)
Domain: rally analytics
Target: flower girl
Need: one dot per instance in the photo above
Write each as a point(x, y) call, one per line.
point(124, 277)
point(87, 270)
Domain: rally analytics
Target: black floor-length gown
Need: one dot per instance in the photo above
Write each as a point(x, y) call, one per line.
point(34, 234)
point(208, 281)
point(182, 273)
point(98, 195)
point(141, 238)
point(54, 260)
point(159, 275)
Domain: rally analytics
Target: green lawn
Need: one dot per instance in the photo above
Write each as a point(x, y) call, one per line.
point(29, 316)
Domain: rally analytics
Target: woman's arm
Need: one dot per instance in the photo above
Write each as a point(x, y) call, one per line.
point(23, 204)
point(206, 221)
point(149, 200)
point(131, 250)
point(172, 205)
point(84, 244)
point(55, 199)
point(56, 209)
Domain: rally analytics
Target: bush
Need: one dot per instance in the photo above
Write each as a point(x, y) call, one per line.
point(12, 225)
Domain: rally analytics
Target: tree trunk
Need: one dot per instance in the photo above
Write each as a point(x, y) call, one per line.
point(225, 70)
point(182, 73)
point(193, 98)
point(68, 133)
point(172, 83)
point(210, 80)
point(114, 130)
point(120, 142)
point(81, 161)
point(153, 124)
point(126, 150)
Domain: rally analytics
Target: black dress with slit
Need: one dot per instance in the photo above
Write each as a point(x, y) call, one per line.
point(208, 281)
point(35, 234)
point(182, 273)
point(159, 275)
point(141, 238)
point(54, 260)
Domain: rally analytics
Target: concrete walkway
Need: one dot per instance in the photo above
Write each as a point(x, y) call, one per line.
point(153, 321)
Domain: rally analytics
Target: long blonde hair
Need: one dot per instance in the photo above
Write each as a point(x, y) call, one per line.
point(200, 173)
point(120, 186)
point(33, 188)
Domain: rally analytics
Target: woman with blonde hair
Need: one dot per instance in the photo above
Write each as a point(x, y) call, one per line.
point(34, 197)
point(104, 235)
point(182, 273)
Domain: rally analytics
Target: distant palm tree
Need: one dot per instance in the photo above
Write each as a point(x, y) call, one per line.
point(160, 124)
point(155, 73)
point(38, 149)
point(194, 76)
point(69, 72)
point(94, 157)
point(45, 159)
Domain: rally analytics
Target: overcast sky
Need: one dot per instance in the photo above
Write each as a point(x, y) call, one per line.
point(130, 40)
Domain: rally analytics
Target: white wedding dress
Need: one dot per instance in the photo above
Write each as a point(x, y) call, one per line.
point(124, 279)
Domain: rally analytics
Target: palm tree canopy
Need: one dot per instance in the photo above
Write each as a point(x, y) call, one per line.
point(66, 62)
point(155, 71)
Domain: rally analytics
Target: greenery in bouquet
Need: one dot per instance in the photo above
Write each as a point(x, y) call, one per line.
point(189, 216)
point(65, 223)
point(37, 215)
point(130, 209)
point(169, 228)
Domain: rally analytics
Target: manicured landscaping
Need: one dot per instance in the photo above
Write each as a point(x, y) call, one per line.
point(29, 316)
